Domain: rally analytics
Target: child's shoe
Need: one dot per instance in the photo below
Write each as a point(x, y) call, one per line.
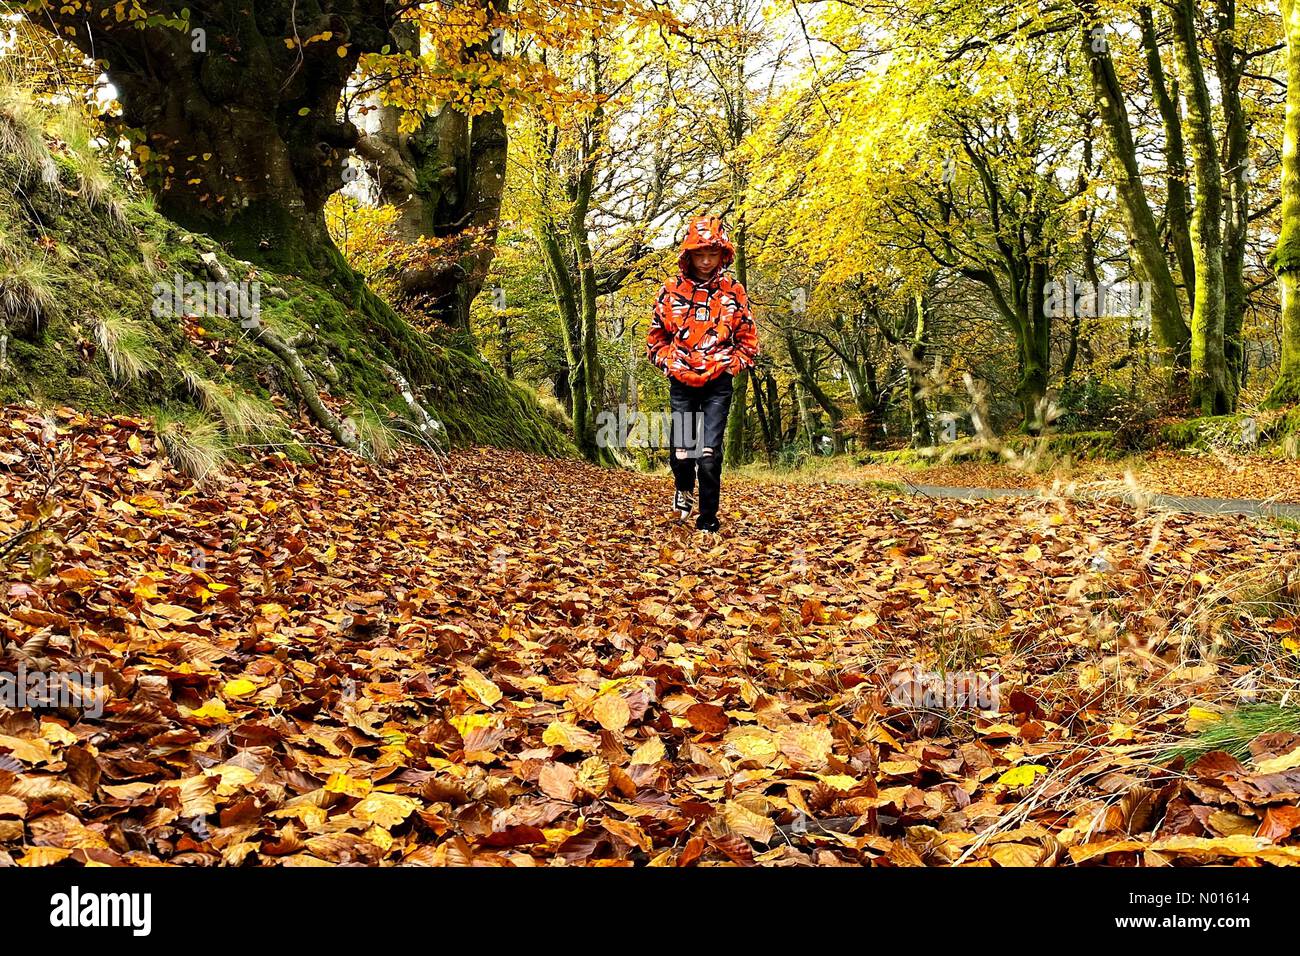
point(683, 502)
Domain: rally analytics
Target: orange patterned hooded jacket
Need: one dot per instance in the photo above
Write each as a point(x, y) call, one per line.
point(702, 329)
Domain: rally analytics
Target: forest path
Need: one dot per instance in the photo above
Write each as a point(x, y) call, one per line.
point(1208, 482)
point(501, 658)
point(1186, 503)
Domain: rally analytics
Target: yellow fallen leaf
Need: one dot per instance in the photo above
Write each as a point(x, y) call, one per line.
point(749, 824)
point(838, 781)
point(569, 736)
point(1198, 718)
point(350, 786)
point(1237, 845)
point(28, 751)
point(1288, 761)
point(43, 856)
point(752, 744)
point(1121, 731)
point(629, 833)
point(864, 620)
point(232, 778)
point(612, 712)
point(240, 687)
point(160, 615)
point(806, 746)
point(650, 752)
point(385, 809)
point(57, 733)
point(480, 687)
point(1021, 776)
point(592, 777)
point(1015, 854)
point(214, 709)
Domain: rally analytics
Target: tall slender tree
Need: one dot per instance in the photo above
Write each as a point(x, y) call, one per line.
point(1213, 389)
point(1286, 258)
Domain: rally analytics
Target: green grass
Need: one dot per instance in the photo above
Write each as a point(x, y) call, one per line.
point(1235, 731)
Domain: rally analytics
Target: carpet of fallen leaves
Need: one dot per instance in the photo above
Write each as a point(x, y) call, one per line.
point(497, 659)
point(1195, 473)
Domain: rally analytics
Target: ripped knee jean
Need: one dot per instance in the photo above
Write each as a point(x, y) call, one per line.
point(698, 431)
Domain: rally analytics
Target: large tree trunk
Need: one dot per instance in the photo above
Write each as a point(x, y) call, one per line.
point(1177, 192)
point(773, 402)
point(1229, 66)
point(770, 425)
point(734, 444)
point(447, 180)
point(1025, 312)
point(234, 120)
point(804, 419)
point(1080, 334)
point(461, 166)
point(1172, 334)
point(1214, 391)
point(581, 390)
point(914, 356)
point(810, 386)
point(737, 129)
point(1286, 259)
point(1034, 332)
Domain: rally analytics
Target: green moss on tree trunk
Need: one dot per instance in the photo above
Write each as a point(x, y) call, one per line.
point(1286, 259)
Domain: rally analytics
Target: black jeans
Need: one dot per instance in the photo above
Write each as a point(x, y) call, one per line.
point(699, 428)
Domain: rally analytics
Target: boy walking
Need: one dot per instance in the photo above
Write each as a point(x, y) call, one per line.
point(701, 336)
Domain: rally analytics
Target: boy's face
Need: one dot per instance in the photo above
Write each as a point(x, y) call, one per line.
point(705, 262)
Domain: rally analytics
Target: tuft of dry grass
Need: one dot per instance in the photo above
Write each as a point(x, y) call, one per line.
point(374, 438)
point(193, 444)
point(27, 297)
point(96, 186)
point(243, 416)
point(124, 347)
point(22, 124)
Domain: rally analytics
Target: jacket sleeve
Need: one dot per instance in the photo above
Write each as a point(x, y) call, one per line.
point(659, 340)
point(745, 333)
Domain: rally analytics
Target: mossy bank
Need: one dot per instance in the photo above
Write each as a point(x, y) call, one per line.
point(107, 306)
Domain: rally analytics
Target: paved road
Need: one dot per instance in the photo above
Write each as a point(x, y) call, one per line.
point(1226, 506)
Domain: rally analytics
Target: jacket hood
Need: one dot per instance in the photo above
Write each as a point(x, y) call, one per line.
point(705, 232)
